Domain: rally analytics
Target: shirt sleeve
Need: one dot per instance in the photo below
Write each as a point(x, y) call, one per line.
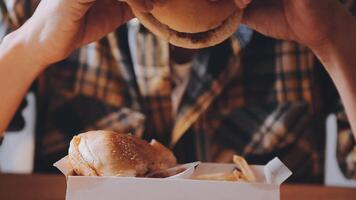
point(18, 122)
point(346, 144)
point(14, 13)
point(243, 35)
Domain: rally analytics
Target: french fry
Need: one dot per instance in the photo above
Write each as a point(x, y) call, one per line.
point(245, 168)
point(217, 177)
point(242, 172)
point(235, 175)
point(238, 175)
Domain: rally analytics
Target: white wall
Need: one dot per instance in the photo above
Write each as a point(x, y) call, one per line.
point(17, 151)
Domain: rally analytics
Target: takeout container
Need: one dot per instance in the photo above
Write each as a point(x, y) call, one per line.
point(179, 187)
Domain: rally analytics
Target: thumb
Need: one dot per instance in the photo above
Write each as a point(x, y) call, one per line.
point(104, 17)
point(142, 5)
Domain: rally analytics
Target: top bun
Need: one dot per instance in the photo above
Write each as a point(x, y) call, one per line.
point(106, 153)
point(192, 23)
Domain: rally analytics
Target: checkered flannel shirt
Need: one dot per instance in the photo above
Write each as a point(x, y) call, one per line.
point(257, 97)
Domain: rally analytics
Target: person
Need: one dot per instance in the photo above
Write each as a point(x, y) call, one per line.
point(262, 98)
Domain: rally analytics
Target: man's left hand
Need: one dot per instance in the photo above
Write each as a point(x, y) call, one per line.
point(309, 22)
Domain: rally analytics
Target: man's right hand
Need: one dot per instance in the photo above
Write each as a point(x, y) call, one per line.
point(60, 26)
point(50, 35)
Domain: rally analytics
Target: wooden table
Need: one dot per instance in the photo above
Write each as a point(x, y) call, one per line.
point(52, 187)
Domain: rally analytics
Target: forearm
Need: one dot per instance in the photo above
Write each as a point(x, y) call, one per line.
point(339, 58)
point(17, 72)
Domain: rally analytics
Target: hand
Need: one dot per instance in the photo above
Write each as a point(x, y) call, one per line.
point(310, 22)
point(60, 26)
point(324, 26)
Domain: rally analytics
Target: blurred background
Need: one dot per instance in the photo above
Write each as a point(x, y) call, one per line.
point(17, 153)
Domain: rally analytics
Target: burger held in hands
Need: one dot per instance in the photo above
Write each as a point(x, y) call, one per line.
point(192, 23)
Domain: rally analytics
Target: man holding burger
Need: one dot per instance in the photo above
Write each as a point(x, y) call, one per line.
point(258, 102)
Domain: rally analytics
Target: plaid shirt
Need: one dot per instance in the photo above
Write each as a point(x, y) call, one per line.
point(252, 95)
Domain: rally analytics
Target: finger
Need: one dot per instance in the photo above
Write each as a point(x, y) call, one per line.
point(142, 5)
point(103, 18)
point(159, 2)
point(258, 11)
point(242, 3)
point(78, 7)
point(263, 16)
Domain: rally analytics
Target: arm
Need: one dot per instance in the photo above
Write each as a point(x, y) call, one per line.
point(325, 26)
point(16, 74)
point(338, 56)
point(56, 28)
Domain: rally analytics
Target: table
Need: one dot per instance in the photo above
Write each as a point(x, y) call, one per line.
point(52, 187)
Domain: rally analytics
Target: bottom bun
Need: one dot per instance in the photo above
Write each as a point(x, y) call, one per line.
point(191, 40)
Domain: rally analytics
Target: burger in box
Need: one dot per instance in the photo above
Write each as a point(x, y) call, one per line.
point(106, 153)
point(108, 165)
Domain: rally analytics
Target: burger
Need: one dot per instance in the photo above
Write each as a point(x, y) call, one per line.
point(106, 153)
point(192, 24)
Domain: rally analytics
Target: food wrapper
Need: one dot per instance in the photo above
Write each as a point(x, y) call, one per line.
point(179, 186)
point(64, 166)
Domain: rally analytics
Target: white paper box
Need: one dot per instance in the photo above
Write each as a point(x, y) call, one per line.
point(269, 178)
